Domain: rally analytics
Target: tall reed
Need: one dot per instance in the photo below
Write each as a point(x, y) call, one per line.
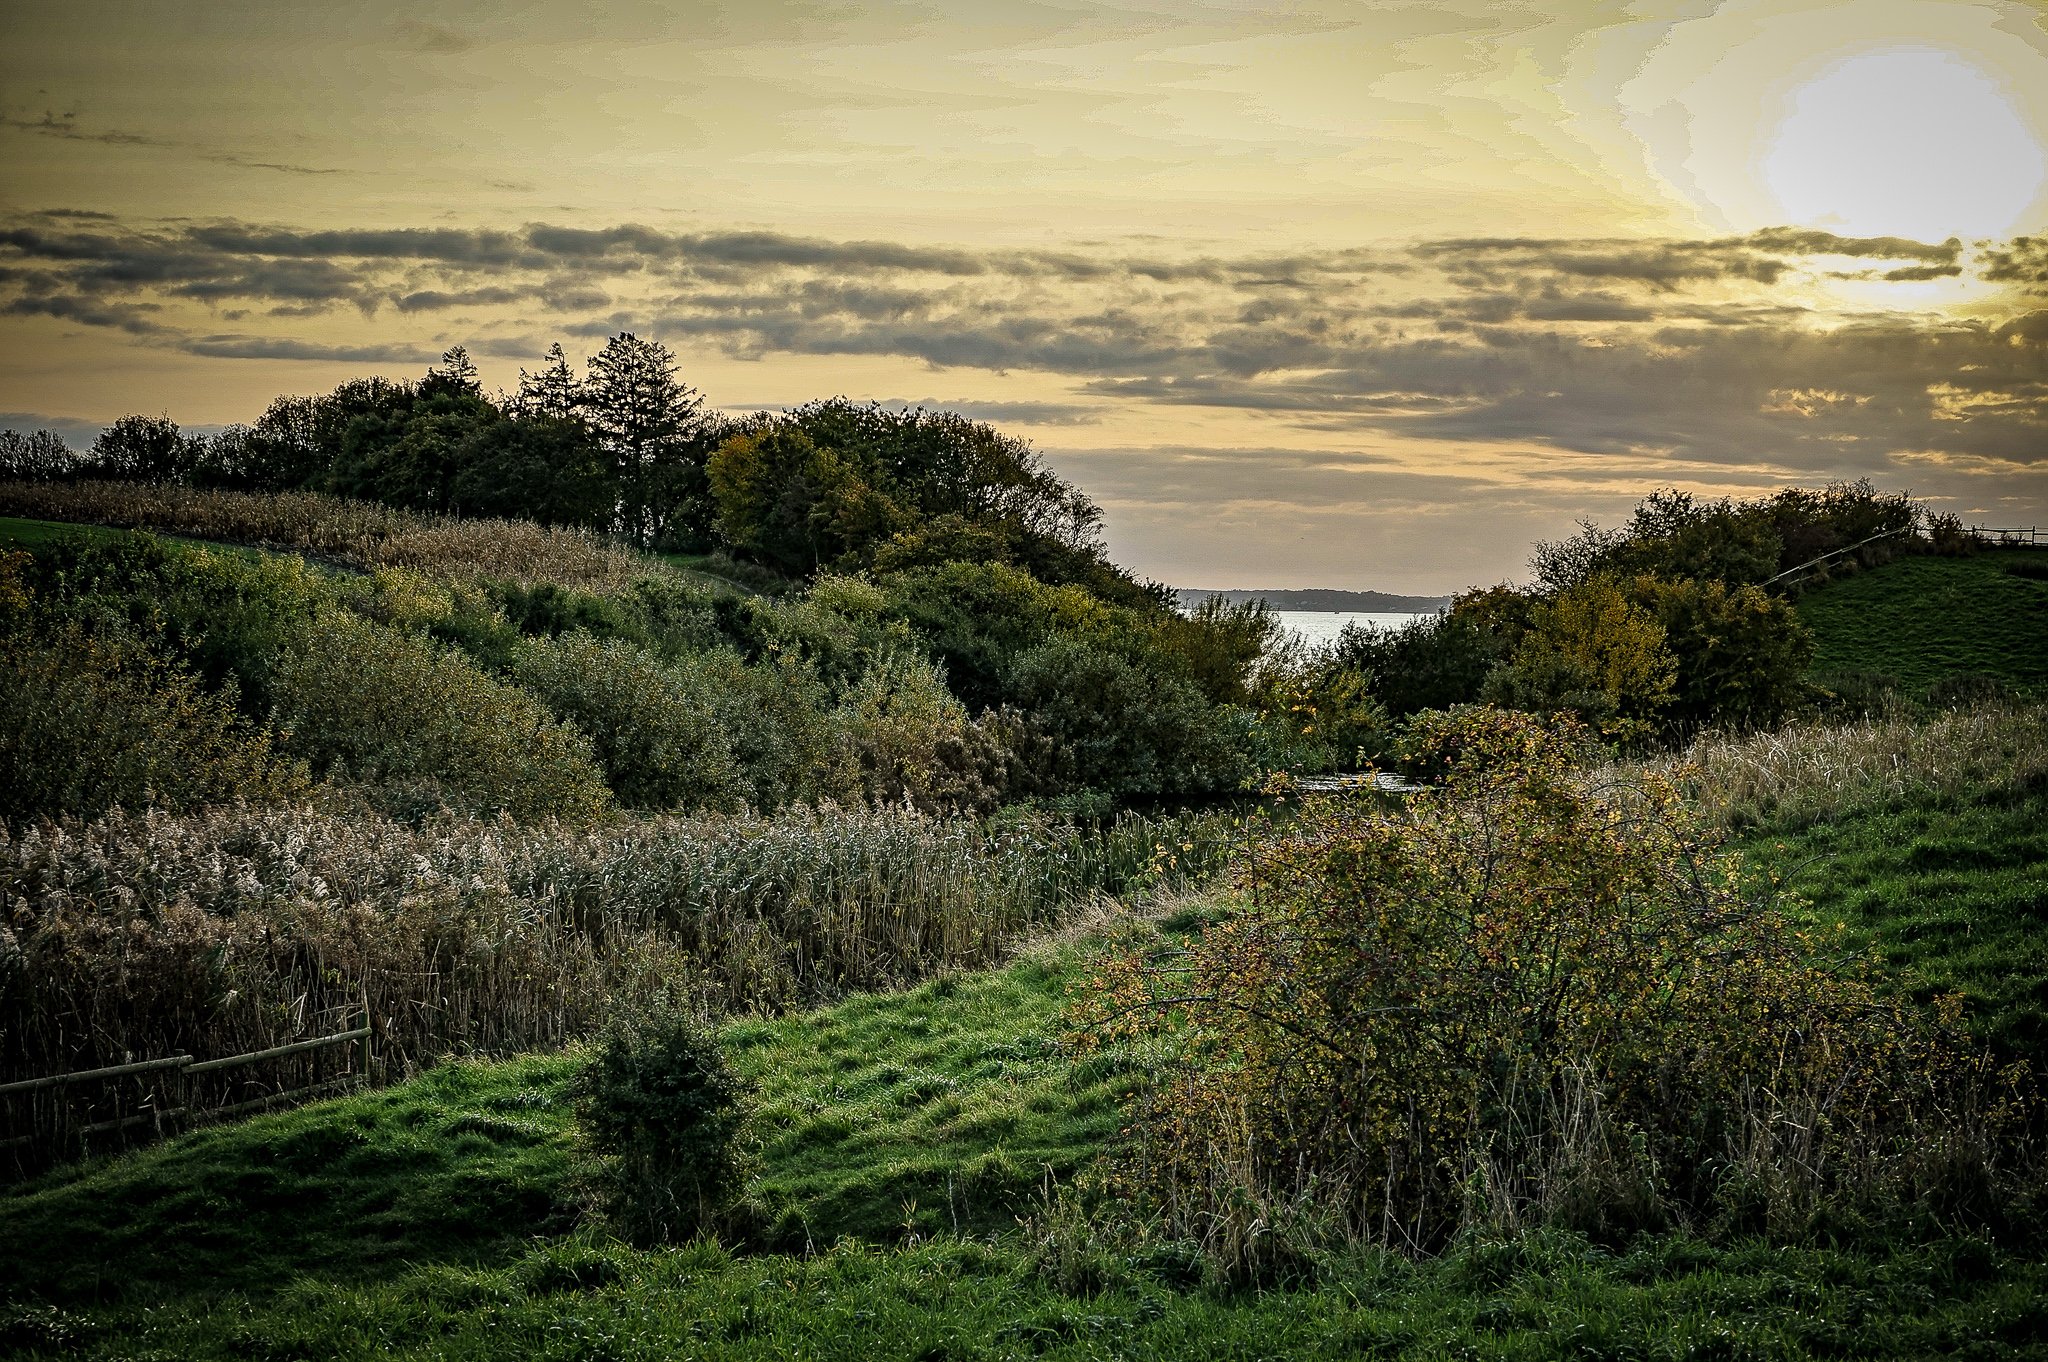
point(234, 929)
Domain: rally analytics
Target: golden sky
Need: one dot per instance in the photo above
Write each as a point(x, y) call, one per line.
point(1369, 294)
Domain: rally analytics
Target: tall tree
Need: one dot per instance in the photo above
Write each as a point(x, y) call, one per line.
point(144, 449)
point(35, 456)
point(554, 393)
point(651, 424)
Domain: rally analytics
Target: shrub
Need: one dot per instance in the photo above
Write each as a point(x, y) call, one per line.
point(90, 721)
point(662, 1110)
point(395, 709)
point(1593, 652)
point(905, 739)
point(1531, 999)
point(654, 732)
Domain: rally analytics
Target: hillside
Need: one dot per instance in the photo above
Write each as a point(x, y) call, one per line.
point(1318, 598)
point(1919, 620)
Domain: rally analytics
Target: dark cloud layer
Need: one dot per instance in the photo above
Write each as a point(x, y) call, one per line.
point(1710, 351)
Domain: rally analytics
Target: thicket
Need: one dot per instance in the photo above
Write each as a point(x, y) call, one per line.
point(1534, 999)
point(1682, 620)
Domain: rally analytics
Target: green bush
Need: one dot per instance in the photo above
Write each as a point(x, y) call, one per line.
point(1529, 999)
point(395, 709)
point(655, 733)
point(662, 1111)
point(89, 721)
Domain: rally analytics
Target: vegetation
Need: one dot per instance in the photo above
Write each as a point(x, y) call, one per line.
point(778, 776)
point(1921, 623)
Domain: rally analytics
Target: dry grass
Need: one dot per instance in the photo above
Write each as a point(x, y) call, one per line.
point(358, 533)
point(233, 929)
point(1807, 773)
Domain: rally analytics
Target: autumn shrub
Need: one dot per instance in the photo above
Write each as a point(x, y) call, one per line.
point(905, 739)
point(1593, 653)
point(662, 1111)
point(393, 709)
point(1525, 999)
point(93, 720)
point(654, 732)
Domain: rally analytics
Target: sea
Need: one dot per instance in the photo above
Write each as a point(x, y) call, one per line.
point(1317, 627)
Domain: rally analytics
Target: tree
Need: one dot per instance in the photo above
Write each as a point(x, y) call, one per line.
point(537, 468)
point(650, 424)
point(457, 374)
point(35, 456)
point(144, 449)
point(794, 504)
point(1595, 652)
point(555, 392)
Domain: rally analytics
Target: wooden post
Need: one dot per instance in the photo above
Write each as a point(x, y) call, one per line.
point(363, 1046)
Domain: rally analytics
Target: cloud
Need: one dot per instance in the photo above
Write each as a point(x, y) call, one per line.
point(67, 128)
point(1620, 349)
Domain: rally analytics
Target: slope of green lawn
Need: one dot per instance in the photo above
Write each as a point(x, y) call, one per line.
point(1953, 899)
point(1921, 619)
point(904, 1142)
point(16, 533)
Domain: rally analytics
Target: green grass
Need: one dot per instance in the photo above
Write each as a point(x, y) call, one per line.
point(435, 1219)
point(1921, 619)
point(941, 1109)
point(18, 533)
point(1953, 897)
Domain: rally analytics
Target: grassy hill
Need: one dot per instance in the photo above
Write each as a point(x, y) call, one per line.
point(907, 1143)
point(1922, 619)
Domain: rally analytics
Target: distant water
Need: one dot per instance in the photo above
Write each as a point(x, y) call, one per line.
point(1323, 626)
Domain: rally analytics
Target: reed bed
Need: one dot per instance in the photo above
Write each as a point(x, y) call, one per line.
point(1807, 773)
point(357, 533)
point(235, 929)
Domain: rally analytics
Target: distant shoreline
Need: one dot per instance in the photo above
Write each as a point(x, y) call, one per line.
point(1320, 598)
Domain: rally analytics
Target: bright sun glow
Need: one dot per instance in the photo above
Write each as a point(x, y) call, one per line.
point(1914, 143)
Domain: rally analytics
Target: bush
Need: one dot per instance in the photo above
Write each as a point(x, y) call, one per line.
point(397, 710)
point(90, 721)
point(662, 1110)
point(654, 731)
point(1528, 999)
point(906, 740)
point(1594, 653)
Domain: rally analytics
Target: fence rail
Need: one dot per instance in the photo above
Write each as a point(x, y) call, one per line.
point(2028, 534)
point(168, 1104)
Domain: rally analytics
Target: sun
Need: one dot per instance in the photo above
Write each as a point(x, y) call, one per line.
point(1914, 142)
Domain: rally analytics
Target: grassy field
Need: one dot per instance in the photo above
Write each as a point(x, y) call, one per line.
point(17, 533)
point(906, 1139)
point(1919, 620)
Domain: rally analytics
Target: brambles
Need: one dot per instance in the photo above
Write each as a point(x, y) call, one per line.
point(1529, 999)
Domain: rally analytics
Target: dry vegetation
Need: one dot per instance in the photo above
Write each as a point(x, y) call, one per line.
point(357, 533)
point(1806, 773)
point(236, 928)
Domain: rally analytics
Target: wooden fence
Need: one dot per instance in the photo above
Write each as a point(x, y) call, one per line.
point(148, 1098)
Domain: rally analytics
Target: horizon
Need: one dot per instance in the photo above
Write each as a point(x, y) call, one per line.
point(1354, 301)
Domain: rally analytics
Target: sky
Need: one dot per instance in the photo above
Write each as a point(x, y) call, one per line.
point(1370, 294)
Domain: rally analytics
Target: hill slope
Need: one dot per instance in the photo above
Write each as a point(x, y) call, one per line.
point(1920, 620)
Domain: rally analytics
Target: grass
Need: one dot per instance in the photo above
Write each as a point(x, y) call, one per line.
point(1921, 619)
point(435, 1220)
point(903, 1143)
point(943, 1109)
point(1954, 899)
point(18, 533)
